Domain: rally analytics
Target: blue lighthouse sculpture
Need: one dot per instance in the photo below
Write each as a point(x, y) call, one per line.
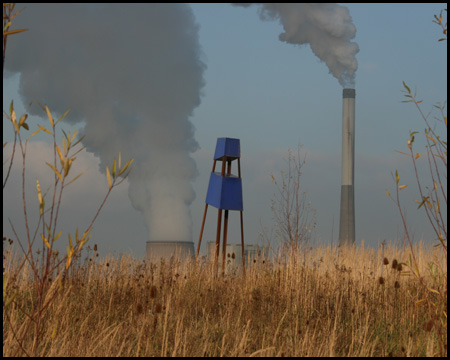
point(225, 193)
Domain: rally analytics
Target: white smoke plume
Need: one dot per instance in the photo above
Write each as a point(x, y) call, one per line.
point(327, 28)
point(133, 74)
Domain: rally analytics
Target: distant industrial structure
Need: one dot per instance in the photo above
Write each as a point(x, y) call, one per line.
point(225, 193)
point(347, 214)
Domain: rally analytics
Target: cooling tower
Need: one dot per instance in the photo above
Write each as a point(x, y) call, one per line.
point(347, 217)
point(155, 250)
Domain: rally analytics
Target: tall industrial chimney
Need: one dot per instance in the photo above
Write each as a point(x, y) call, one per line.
point(347, 219)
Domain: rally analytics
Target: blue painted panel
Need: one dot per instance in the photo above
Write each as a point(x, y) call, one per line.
point(225, 192)
point(227, 147)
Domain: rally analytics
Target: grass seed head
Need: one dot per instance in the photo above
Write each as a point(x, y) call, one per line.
point(158, 308)
point(139, 309)
point(394, 264)
point(153, 292)
point(385, 261)
point(428, 325)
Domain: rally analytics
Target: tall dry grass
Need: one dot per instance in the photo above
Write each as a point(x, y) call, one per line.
point(319, 302)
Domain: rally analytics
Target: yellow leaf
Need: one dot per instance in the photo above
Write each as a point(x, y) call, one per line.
point(60, 154)
point(57, 236)
point(434, 291)
point(429, 137)
point(45, 241)
point(85, 234)
point(438, 206)
point(40, 198)
point(14, 32)
point(56, 171)
point(63, 116)
point(13, 116)
point(387, 192)
point(70, 165)
point(397, 176)
point(402, 187)
point(67, 165)
point(403, 153)
point(14, 120)
point(34, 133)
point(70, 243)
point(114, 169)
point(76, 177)
point(64, 146)
point(420, 301)
point(125, 167)
point(22, 120)
point(108, 176)
point(406, 87)
point(69, 258)
point(74, 135)
point(418, 155)
point(44, 129)
point(50, 117)
point(84, 239)
point(417, 270)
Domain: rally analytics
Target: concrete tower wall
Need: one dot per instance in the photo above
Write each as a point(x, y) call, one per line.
point(155, 250)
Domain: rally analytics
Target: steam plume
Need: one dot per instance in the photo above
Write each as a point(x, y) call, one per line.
point(132, 73)
point(327, 28)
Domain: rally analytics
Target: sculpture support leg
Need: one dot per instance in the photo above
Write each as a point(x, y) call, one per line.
point(224, 246)
point(201, 232)
point(219, 223)
point(242, 241)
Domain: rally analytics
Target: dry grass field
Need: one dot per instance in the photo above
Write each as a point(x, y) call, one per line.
point(319, 302)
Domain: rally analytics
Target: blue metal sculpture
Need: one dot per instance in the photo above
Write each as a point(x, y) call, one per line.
point(225, 193)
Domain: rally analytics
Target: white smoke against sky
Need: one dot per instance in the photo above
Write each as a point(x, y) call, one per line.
point(326, 27)
point(133, 75)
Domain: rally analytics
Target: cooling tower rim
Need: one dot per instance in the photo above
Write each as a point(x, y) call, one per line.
point(170, 242)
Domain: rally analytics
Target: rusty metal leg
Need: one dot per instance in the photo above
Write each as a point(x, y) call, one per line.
point(242, 241)
point(216, 257)
point(224, 243)
point(201, 232)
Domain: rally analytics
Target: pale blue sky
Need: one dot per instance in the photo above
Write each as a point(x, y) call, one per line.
point(273, 95)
